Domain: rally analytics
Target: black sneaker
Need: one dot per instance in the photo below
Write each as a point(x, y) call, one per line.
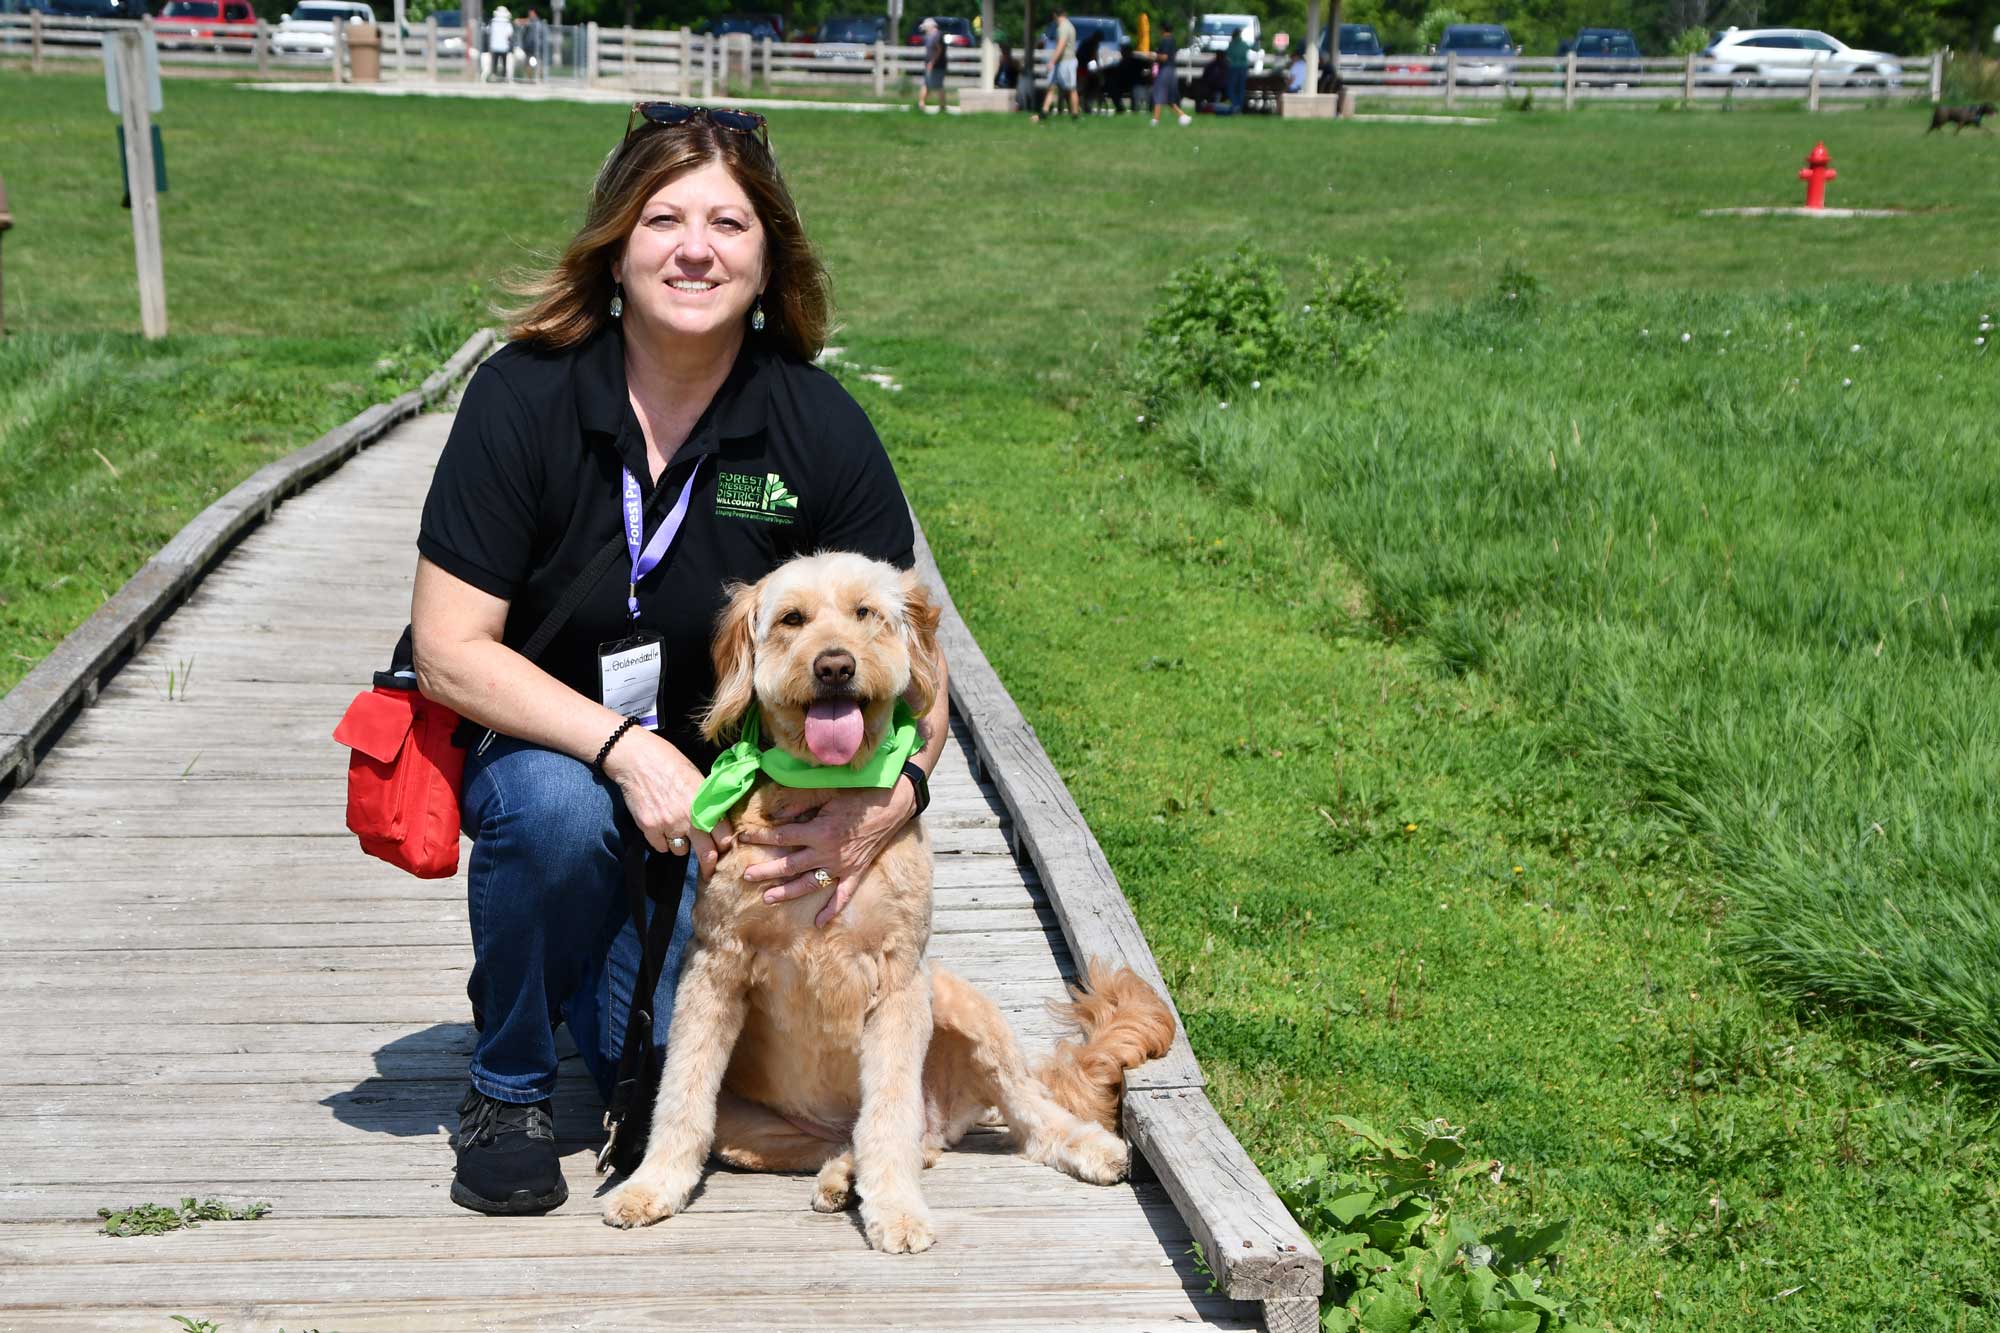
point(506, 1157)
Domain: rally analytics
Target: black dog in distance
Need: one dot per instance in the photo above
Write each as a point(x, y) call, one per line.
point(1960, 116)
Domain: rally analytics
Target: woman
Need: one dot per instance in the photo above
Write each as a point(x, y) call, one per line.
point(659, 382)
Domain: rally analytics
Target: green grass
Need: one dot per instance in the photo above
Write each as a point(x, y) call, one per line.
point(1742, 547)
point(1210, 678)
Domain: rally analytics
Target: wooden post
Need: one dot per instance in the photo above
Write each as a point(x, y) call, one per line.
point(35, 41)
point(881, 71)
point(261, 47)
point(687, 63)
point(989, 54)
point(339, 51)
point(1569, 81)
point(431, 49)
point(764, 51)
point(708, 56)
point(1812, 88)
point(1312, 47)
point(1450, 79)
point(590, 70)
point(1937, 76)
point(1687, 82)
point(130, 53)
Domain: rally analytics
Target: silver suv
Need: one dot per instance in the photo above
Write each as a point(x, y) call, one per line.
point(1747, 56)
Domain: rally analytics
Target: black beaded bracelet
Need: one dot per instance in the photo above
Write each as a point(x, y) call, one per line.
point(597, 764)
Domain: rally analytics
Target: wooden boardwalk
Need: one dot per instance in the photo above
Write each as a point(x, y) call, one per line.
point(210, 991)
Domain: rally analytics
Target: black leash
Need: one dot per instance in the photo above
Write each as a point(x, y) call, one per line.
point(629, 1115)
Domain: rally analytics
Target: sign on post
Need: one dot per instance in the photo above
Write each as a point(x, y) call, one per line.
point(132, 91)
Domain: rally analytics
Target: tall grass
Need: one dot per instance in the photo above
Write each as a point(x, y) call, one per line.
point(1744, 549)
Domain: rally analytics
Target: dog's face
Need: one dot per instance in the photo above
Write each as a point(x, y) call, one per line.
point(825, 644)
point(1982, 111)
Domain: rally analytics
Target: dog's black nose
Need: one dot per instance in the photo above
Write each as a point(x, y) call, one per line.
point(835, 666)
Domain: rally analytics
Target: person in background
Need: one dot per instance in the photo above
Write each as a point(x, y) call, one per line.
point(1166, 78)
point(534, 36)
point(1007, 74)
point(500, 42)
point(934, 65)
point(1295, 75)
point(1238, 56)
point(1062, 68)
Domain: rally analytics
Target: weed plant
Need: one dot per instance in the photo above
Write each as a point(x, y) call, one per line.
point(1743, 550)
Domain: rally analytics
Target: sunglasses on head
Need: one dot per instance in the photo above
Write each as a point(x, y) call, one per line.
point(723, 118)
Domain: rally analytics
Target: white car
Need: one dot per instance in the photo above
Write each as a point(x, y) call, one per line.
point(1212, 31)
point(1790, 55)
point(308, 30)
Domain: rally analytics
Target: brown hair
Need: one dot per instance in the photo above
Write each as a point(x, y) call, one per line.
point(572, 300)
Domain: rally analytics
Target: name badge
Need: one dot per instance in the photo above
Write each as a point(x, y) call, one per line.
point(628, 676)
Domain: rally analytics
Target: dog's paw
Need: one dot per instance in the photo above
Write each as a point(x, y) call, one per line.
point(639, 1203)
point(899, 1230)
point(1102, 1159)
point(834, 1190)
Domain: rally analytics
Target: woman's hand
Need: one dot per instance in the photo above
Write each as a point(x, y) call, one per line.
point(659, 785)
point(843, 838)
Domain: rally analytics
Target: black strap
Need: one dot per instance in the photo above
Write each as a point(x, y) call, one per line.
point(579, 589)
point(623, 1142)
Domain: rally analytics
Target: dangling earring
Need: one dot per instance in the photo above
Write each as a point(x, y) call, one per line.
point(757, 315)
point(617, 300)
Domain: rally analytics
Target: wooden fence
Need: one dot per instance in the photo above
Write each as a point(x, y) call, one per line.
point(687, 64)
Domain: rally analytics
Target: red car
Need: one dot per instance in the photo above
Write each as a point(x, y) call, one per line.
point(208, 23)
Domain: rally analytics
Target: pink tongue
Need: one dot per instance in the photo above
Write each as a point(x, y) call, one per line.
point(833, 731)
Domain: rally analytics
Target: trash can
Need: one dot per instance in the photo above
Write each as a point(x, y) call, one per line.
point(364, 52)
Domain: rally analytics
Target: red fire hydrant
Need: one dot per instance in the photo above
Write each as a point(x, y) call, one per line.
point(1817, 171)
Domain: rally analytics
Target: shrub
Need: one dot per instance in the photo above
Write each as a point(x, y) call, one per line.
point(1383, 1216)
point(1217, 327)
point(1688, 42)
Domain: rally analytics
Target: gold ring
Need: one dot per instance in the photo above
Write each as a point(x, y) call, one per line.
point(821, 878)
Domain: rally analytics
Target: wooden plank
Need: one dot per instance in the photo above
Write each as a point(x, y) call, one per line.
point(1253, 1244)
point(1097, 920)
point(999, 1311)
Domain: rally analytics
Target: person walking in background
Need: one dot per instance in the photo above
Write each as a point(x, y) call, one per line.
point(500, 42)
point(934, 65)
point(1238, 55)
point(1062, 68)
point(1166, 78)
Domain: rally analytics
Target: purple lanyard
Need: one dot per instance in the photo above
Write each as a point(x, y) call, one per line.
point(646, 561)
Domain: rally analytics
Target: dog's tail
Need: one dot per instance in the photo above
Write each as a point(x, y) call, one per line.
point(1120, 1022)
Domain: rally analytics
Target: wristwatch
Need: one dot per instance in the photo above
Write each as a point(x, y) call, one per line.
point(920, 783)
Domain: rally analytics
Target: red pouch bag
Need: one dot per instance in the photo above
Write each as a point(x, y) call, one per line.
point(403, 778)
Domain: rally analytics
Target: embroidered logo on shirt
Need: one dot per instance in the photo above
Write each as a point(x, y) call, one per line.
point(748, 495)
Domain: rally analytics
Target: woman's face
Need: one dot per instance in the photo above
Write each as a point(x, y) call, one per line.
point(696, 259)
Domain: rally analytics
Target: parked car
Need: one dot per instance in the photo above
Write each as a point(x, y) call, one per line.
point(1604, 55)
point(1790, 55)
point(1485, 52)
point(756, 26)
point(1110, 33)
point(848, 38)
point(125, 10)
point(189, 23)
point(956, 31)
point(1212, 31)
point(1360, 50)
point(308, 30)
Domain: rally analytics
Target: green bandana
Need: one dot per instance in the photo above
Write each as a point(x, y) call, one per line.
point(735, 770)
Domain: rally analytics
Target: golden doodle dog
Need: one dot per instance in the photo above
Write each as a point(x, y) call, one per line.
point(840, 1049)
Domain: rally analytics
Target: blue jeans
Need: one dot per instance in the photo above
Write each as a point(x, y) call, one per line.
point(552, 937)
point(1238, 88)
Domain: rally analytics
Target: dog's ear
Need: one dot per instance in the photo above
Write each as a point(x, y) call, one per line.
point(735, 663)
point(921, 615)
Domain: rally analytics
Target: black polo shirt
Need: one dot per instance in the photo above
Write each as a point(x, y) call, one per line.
point(528, 490)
